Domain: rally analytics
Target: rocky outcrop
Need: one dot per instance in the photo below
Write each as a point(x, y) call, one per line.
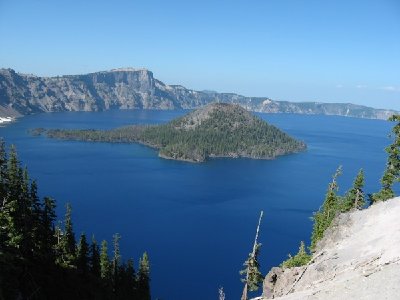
point(358, 258)
point(130, 88)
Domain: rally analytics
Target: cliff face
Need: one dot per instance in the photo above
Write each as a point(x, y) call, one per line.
point(137, 89)
point(358, 258)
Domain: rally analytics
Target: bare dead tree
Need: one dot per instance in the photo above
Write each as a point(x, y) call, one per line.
point(252, 272)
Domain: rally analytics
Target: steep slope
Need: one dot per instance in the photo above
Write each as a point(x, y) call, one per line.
point(130, 88)
point(216, 130)
point(358, 258)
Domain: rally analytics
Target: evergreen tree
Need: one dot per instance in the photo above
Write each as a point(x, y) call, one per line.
point(105, 266)
point(16, 208)
point(3, 172)
point(143, 278)
point(68, 243)
point(252, 268)
point(82, 257)
point(253, 278)
point(300, 259)
point(3, 195)
point(354, 198)
point(36, 214)
point(36, 256)
point(116, 261)
point(69, 232)
point(392, 171)
point(47, 234)
point(28, 222)
point(130, 280)
point(10, 215)
point(323, 218)
point(94, 258)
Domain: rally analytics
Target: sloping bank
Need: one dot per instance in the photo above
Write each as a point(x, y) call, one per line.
point(358, 258)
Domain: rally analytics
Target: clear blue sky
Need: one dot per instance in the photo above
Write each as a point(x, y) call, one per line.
point(330, 51)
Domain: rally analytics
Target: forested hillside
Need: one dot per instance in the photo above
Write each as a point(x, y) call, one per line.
point(40, 257)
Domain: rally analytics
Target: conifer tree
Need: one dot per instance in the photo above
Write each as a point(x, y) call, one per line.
point(323, 218)
point(10, 215)
point(94, 258)
point(253, 278)
point(47, 234)
point(300, 259)
point(3, 195)
point(36, 256)
point(27, 215)
point(36, 214)
point(82, 257)
point(105, 266)
point(3, 172)
point(69, 232)
point(130, 275)
point(143, 278)
point(116, 261)
point(392, 171)
point(354, 198)
point(68, 243)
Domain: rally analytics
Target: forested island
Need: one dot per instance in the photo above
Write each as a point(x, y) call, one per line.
point(215, 130)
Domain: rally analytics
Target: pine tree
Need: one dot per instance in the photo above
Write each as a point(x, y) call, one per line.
point(94, 258)
point(82, 256)
point(105, 266)
point(69, 232)
point(3, 172)
point(392, 171)
point(300, 259)
point(10, 215)
point(126, 282)
point(116, 261)
point(143, 278)
point(323, 218)
point(47, 234)
point(36, 213)
point(354, 198)
point(130, 282)
point(3, 195)
point(68, 243)
point(253, 278)
point(27, 215)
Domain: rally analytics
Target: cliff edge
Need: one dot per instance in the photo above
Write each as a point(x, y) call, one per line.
point(130, 88)
point(359, 258)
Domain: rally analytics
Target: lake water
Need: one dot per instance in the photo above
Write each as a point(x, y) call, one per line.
point(197, 221)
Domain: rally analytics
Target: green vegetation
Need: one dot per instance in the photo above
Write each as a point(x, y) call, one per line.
point(39, 260)
point(300, 259)
point(354, 198)
point(392, 171)
point(253, 277)
point(323, 218)
point(333, 205)
point(218, 130)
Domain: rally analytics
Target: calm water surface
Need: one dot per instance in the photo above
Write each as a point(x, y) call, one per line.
point(197, 221)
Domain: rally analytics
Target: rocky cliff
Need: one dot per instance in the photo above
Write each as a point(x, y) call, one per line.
point(129, 88)
point(359, 258)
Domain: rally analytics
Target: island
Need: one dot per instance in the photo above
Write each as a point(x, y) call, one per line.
point(215, 130)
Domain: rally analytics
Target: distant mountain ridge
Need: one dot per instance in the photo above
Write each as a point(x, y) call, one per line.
point(130, 88)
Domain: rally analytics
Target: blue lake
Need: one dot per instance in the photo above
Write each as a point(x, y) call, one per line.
point(197, 221)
